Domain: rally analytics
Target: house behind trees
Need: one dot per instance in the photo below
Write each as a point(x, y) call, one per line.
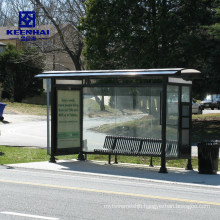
point(56, 58)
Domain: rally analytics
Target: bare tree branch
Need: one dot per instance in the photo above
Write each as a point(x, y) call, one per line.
point(76, 52)
point(59, 13)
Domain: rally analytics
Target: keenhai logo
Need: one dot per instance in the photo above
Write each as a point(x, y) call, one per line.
point(27, 20)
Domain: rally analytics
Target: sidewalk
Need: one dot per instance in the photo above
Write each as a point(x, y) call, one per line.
point(127, 171)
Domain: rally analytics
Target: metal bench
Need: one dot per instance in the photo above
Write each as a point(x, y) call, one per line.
point(136, 146)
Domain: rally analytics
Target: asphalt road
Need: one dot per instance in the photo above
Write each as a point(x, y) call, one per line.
point(29, 194)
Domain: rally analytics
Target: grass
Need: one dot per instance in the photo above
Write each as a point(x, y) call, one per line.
point(32, 109)
point(206, 117)
point(205, 127)
point(27, 109)
point(12, 155)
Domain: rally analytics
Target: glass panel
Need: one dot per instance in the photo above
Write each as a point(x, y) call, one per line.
point(185, 110)
point(172, 105)
point(172, 112)
point(185, 122)
point(185, 94)
point(172, 133)
point(185, 137)
point(121, 111)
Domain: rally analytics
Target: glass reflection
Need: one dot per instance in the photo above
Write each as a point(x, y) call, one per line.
point(121, 111)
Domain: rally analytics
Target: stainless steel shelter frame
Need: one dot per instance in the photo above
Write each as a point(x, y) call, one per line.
point(67, 89)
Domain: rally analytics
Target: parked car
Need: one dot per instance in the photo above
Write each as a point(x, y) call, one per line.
point(216, 100)
point(173, 107)
point(211, 101)
point(196, 107)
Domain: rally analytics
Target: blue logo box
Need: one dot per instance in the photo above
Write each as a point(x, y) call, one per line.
point(27, 19)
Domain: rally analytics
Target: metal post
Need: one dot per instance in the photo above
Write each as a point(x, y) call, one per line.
point(163, 168)
point(189, 164)
point(109, 159)
point(48, 116)
point(53, 122)
point(151, 162)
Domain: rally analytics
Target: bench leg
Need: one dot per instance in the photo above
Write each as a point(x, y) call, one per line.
point(52, 159)
point(85, 156)
point(109, 159)
point(116, 159)
point(151, 162)
point(81, 156)
point(189, 165)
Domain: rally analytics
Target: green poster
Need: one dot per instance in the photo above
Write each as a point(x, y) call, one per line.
point(68, 119)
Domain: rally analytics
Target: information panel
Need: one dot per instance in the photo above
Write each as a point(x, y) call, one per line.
point(68, 119)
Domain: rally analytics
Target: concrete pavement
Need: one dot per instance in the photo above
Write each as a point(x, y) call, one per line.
point(24, 130)
point(128, 171)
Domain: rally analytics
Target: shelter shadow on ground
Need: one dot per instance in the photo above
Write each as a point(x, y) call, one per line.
point(176, 175)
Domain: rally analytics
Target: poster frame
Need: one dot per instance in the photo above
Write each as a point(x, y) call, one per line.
point(65, 151)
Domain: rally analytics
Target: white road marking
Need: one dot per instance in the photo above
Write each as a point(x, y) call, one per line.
point(29, 216)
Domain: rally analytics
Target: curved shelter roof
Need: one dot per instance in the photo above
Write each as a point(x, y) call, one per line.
point(133, 73)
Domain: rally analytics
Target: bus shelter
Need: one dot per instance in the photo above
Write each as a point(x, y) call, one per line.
point(143, 104)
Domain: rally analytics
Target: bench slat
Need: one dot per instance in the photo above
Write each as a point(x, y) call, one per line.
point(137, 146)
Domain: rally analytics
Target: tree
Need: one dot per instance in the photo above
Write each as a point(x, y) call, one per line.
point(114, 31)
point(146, 34)
point(17, 73)
point(211, 45)
point(65, 12)
point(154, 34)
point(53, 12)
point(9, 10)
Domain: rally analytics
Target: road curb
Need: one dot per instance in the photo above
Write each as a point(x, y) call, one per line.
point(120, 165)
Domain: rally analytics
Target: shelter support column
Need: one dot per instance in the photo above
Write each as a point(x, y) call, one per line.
point(53, 122)
point(48, 81)
point(163, 168)
point(189, 164)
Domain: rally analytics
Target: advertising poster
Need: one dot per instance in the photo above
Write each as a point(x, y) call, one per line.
point(68, 119)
